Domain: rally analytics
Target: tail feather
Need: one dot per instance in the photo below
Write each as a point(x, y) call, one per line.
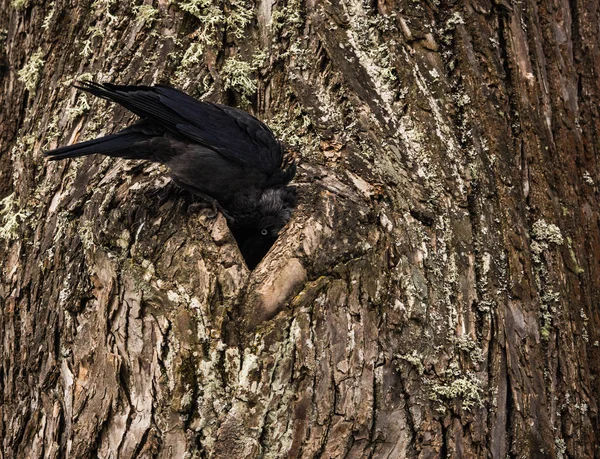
point(130, 143)
point(110, 145)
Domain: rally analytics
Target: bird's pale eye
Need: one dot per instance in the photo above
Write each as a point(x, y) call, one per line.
point(264, 232)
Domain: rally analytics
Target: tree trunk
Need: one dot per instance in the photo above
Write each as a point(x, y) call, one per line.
point(436, 293)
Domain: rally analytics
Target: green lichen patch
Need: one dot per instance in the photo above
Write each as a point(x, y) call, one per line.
point(30, 73)
point(237, 75)
point(415, 360)
point(213, 20)
point(210, 15)
point(576, 266)
point(259, 58)
point(94, 32)
point(24, 146)
point(561, 448)
point(293, 129)
point(287, 19)
point(584, 329)
point(447, 30)
point(240, 16)
point(470, 347)
point(193, 55)
point(19, 4)
point(103, 7)
point(85, 230)
point(547, 233)
point(85, 77)
point(547, 311)
point(465, 387)
point(80, 108)
point(49, 16)
point(146, 14)
point(12, 217)
point(374, 52)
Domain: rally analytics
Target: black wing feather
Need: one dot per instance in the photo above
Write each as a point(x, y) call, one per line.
point(232, 133)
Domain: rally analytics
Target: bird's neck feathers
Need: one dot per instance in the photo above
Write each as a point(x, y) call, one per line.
point(273, 208)
point(278, 201)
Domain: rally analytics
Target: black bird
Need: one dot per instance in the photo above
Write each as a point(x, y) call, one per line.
point(212, 150)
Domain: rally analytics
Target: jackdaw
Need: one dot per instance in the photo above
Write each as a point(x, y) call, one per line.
point(212, 150)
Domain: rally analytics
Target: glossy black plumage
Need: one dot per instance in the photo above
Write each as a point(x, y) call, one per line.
point(211, 150)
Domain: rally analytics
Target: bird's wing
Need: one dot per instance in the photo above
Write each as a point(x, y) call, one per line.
point(232, 133)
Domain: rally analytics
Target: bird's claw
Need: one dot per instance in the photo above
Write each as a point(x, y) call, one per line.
point(214, 205)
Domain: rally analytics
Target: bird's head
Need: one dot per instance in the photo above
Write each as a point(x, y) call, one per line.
point(261, 228)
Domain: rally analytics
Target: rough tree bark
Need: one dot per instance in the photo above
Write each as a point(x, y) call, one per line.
point(435, 295)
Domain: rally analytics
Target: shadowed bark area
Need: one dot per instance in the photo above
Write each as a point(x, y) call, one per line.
point(435, 295)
